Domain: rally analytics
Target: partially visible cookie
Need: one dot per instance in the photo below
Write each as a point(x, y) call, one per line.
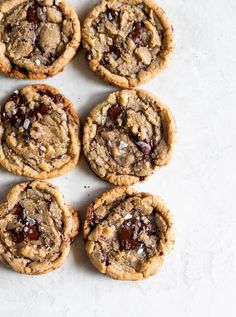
point(127, 42)
point(37, 37)
point(36, 228)
point(127, 234)
point(39, 133)
point(128, 136)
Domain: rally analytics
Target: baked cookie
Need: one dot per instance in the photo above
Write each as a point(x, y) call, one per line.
point(36, 228)
point(128, 136)
point(37, 37)
point(127, 42)
point(127, 234)
point(39, 133)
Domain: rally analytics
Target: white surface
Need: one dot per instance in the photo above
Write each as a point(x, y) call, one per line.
point(199, 277)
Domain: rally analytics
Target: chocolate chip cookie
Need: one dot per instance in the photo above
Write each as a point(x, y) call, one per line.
point(127, 42)
point(128, 136)
point(127, 234)
point(39, 133)
point(36, 228)
point(37, 37)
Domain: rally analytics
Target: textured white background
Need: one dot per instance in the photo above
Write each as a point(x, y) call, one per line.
point(199, 276)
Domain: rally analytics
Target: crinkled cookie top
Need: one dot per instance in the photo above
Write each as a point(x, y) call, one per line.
point(128, 136)
point(35, 228)
point(127, 233)
point(35, 33)
point(39, 133)
point(128, 40)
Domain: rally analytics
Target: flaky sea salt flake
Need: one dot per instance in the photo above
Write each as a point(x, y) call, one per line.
point(26, 124)
point(140, 251)
point(37, 62)
point(42, 148)
point(128, 216)
point(123, 145)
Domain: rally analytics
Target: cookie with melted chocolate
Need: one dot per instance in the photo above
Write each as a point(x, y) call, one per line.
point(36, 228)
point(128, 136)
point(127, 234)
point(37, 37)
point(39, 133)
point(127, 42)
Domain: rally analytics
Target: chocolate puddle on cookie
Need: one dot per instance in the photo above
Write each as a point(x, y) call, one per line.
point(28, 229)
point(116, 112)
point(23, 117)
point(131, 228)
point(139, 35)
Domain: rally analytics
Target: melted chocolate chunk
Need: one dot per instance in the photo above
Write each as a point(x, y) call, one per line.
point(58, 98)
point(42, 109)
point(125, 235)
point(112, 15)
point(138, 35)
point(32, 233)
point(116, 49)
point(32, 114)
point(28, 230)
point(20, 118)
point(114, 112)
point(8, 28)
point(17, 119)
point(19, 210)
point(32, 15)
point(16, 236)
point(145, 147)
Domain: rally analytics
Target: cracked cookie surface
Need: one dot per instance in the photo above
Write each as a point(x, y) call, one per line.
point(127, 234)
point(39, 133)
point(36, 228)
point(127, 42)
point(37, 37)
point(128, 136)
